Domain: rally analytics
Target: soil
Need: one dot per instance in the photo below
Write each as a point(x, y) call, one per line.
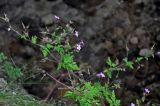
point(115, 28)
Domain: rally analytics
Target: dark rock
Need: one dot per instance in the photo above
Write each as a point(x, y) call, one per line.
point(48, 19)
point(74, 3)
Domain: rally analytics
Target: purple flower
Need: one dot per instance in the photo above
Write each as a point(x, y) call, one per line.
point(76, 33)
point(101, 74)
point(146, 90)
point(132, 104)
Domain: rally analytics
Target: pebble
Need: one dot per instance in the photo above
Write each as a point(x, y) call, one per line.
point(134, 40)
point(158, 37)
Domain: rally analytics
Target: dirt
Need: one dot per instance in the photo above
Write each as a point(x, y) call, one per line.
point(116, 28)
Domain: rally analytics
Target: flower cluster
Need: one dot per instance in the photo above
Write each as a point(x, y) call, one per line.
point(79, 46)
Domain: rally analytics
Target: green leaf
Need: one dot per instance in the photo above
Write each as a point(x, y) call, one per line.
point(2, 57)
point(53, 33)
point(45, 49)
point(45, 52)
point(59, 49)
point(110, 63)
point(49, 46)
point(139, 59)
point(128, 63)
point(12, 72)
point(68, 63)
point(108, 72)
point(23, 37)
point(34, 39)
point(90, 94)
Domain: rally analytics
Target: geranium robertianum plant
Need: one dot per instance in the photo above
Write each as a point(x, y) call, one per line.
point(60, 45)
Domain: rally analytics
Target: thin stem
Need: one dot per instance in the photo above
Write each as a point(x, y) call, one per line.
point(50, 93)
point(59, 81)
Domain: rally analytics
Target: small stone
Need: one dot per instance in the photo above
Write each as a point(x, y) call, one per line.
point(134, 40)
point(145, 52)
point(158, 37)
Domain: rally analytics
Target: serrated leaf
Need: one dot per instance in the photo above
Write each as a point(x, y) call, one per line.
point(59, 49)
point(68, 63)
point(110, 63)
point(34, 39)
point(128, 63)
point(49, 46)
point(139, 59)
point(108, 72)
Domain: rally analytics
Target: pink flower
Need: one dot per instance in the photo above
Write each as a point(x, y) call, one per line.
point(76, 33)
point(57, 17)
point(132, 104)
point(101, 74)
point(78, 47)
point(146, 90)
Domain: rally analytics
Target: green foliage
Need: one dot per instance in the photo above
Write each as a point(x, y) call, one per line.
point(34, 39)
point(86, 95)
point(2, 57)
point(68, 63)
point(57, 42)
point(110, 63)
point(111, 98)
point(108, 72)
point(116, 67)
point(139, 59)
point(59, 49)
point(154, 104)
point(90, 94)
point(24, 36)
point(12, 72)
point(13, 95)
point(128, 63)
point(46, 49)
point(111, 68)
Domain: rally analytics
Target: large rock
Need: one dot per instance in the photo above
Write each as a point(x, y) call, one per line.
point(145, 52)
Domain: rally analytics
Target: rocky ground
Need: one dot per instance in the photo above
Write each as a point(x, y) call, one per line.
point(116, 28)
